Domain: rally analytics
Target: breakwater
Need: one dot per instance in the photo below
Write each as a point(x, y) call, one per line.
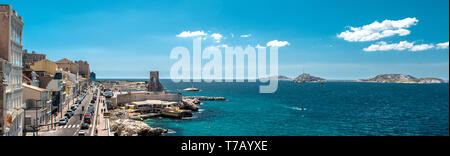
point(204, 98)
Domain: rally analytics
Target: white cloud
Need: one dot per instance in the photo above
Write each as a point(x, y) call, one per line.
point(378, 30)
point(245, 36)
point(217, 37)
point(442, 45)
point(276, 43)
point(186, 34)
point(401, 46)
point(422, 47)
point(259, 46)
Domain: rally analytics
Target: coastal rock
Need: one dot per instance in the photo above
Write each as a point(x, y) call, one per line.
point(305, 78)
point(190, 104)
point(126, 127)
point(430, 80)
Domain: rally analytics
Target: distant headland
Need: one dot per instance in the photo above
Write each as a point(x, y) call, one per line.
point(382, 78)
point(401, 78)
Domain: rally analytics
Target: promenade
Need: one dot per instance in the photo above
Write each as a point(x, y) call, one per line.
point(103, 123)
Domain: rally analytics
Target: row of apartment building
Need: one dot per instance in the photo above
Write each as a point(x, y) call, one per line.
point(33, 90)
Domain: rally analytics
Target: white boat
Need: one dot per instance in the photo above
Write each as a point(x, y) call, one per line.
point(191, 90)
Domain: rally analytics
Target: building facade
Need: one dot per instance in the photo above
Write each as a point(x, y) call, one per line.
point(11, 28)
point(84, 69)
point(92, 77)
point(38, 106)
point(45, 65)
point(67, 65)
point(30, 58)
point(56, 88)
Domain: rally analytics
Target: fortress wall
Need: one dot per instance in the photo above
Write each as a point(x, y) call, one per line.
point(127, 98)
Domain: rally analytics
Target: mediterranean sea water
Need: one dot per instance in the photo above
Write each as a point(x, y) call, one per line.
point(336, 109)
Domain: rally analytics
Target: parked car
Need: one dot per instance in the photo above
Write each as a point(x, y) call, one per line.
point(82, 133)
point(85, 126)
point(63, 121)
point(67, 115)
point(74, 107)
point(70, 112)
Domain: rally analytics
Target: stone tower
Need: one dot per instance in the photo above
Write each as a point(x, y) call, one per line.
point(154, 85)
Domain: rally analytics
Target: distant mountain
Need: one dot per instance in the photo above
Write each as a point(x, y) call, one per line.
point(307, 78)
point(284, 78)
point(401, 78)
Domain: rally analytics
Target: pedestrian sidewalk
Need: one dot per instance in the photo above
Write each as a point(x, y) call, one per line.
point(58, 117)
point(102, 126)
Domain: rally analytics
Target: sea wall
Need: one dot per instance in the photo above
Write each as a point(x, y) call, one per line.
point(204, 98)
point(122, 99)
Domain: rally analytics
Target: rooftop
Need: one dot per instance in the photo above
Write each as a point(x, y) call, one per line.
point(34, 87)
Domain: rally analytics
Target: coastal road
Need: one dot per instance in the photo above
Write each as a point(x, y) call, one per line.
point(74, 124)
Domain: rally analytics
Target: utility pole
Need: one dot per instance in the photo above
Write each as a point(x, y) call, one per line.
point(51, 114)
point(36, 125)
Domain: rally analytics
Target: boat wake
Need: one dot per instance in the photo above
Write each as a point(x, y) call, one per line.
point(169, 131)
point(189, 118)
point(298, 108)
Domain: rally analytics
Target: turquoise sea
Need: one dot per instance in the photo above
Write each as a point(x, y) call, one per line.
point(337, 109)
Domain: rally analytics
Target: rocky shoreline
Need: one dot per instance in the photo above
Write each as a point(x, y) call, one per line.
point(122, 126)
point(128, 127)
point(192, 103)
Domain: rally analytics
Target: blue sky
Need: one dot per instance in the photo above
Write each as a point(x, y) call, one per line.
point(127, 39)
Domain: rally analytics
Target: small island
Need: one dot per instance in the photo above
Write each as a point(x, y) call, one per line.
point(307, 78)
point(401, 78)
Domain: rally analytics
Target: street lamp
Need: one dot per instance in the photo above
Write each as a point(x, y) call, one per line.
point(36, 126)
point(24, 133)
point(35, 119)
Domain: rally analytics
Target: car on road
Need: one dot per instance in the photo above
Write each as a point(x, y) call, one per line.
point(87, 118)
point(70, 112)
point(74, 107)
point(85, 126)
point(91, 110)
point(63, 121)
point(67, 115)
point(82, 133)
